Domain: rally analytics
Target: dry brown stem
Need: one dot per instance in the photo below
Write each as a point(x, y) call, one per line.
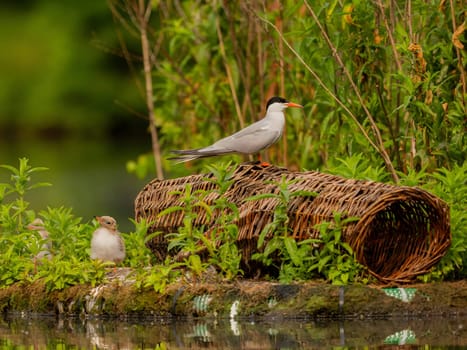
point(143, 12)
point(233, 91)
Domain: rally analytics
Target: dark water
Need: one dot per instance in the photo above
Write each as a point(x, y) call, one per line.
point(17, 332)
point(87, 175)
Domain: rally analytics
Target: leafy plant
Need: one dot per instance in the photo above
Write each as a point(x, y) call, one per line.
point(451, 185)
point(224, 231)
point(15, 264)
point(61, 272)
point(138, 255)
point(274, 241)
point(297, 259)
point(328, 255)
point(15, 242)
point(219, 243)
point(157, 277)
point(357, 166)
point(66, 232)
point(334, 258)
point(188, 236)
point(15, 214)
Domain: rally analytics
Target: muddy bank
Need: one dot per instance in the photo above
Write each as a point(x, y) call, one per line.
point(240, 299)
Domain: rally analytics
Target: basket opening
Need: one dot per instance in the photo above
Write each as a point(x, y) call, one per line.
point(399, 239)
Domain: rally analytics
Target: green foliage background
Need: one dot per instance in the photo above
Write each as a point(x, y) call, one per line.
point(59, 75)
point(401, 79)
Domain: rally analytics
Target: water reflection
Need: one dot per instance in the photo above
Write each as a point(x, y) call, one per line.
point(50, 333)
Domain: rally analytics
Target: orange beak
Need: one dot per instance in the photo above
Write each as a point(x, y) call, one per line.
point(294, 105)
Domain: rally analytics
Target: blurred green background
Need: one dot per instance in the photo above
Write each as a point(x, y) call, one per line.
point(65, 103)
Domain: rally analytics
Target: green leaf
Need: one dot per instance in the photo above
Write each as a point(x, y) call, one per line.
point(262, 236)
point(322, 262)
point(39, 184)
point(261, 196)
point(291, 247)
point(347, 248)
point(9, 167)
point(206, 207)
point(304, 193)
point(170, 210)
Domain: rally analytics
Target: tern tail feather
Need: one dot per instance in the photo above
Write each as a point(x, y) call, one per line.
point(182, 156)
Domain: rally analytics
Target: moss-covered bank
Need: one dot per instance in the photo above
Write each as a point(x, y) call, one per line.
point(243, 298)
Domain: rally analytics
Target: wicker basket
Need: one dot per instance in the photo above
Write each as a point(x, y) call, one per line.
point(402, 231)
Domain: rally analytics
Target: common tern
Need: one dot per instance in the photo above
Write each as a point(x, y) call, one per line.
point(250, 140)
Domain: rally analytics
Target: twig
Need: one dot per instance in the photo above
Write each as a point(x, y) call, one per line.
point(117, 15)
point(279, 25)
point(144, 13)
point(131, 110)
point(458, 53)
point(139, 14)
point(229, 74)
point(259, 40)
point(125, 53)
point(381, 149)
point(409, 20)
point(242, 60)
point(391, 38)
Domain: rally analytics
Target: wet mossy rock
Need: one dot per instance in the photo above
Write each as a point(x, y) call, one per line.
point(401, 232)
point(252, 300)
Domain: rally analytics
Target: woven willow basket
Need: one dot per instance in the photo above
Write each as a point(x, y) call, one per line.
point(401, 232)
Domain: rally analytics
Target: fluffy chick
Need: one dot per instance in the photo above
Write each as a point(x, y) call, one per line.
point(107, 243)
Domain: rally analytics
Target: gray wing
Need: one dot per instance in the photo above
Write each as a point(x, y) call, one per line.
point(247, 141)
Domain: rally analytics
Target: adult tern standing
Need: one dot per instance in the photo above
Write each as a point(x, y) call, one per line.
point(250, 140)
